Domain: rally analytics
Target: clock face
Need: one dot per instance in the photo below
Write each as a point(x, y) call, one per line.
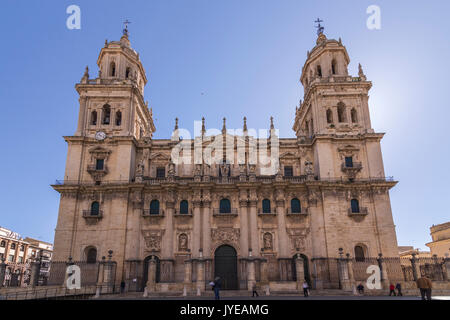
point(100, 135)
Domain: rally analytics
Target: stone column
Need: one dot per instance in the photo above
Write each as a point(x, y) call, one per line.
point(300, 271)
point(251, 275)
point(168, 239)
point(343, 274)
point(2, 271)
point(206, 245)
point(253, 227)
point(82, 117)
point(187, 272)
point(151, 277)
point(283, 242)
point(200, 283)
point(196, 245)
point(98, 289)
point(243, 220)
point(384, 275)
point(351, 276)
point(264, 277)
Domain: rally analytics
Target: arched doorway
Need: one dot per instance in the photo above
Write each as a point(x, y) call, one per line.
point(146, 265)
point(305, 269)
point(225, 267)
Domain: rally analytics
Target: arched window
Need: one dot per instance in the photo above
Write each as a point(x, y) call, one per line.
point(359, 253)
point(91, 255)
point(112, 69)
point(118, 118)
point(341, 112)
point(3, 244)
point(225, 206)
point(295, 206)
point(319, 71)
point(333, 67)
point(154, 207)
point(329, 116)
point(354, 115)
point(94, 118)
point(95, 208)
point(184, 207)
point(13, 246)
point(127, 72)
point(266, 206)
point(355, 205)
point(106, 114)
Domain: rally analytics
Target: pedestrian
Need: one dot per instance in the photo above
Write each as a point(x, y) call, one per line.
point(122, 287)
point(305, 288)
point(360, 288)
point(398, 286)
point(424, 284)
point(254, 292)
point(392, 290)
point(217, 284)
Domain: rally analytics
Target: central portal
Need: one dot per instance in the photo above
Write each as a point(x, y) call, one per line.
point(225, 267)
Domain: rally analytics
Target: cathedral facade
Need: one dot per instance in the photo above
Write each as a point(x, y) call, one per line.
point(175, 224)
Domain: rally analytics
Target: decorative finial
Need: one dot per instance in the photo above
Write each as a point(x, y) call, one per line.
point(319, 27)
point(125, 31)
point(203, 126)
point(176, 124)
point(224, 127)
point(340, 41)
point(245, 124)
point(86, 74)
point(361, 72)
point(271, 124)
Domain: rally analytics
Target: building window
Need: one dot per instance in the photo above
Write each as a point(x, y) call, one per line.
point(93, 118)
point(295, 206)
point(20, 259)
point(160, 172)
point(288, 171)
point(91, 255)
point(333, 67)
point(127, 72)
point(3, 244)
point(319, 71)
point(22, 248)
point(106, 114)
point(154, 207)
point(118, 118)
point(225, 206)
point(113, 69)
point(341, 112)
point(349, 162)
point(329, 116)
point(354, 115)
point(13, 246)
point(184, 207)
point(99, 164)
point(11, 258)
point(359, 253)
point(95, 208)
point(355, 205)
point(266, 206)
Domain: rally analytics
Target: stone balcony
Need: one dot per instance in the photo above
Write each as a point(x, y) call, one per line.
point(363, 211)
point(92, 216)
point(232, 212)
point(303, 212)
point(146, 214)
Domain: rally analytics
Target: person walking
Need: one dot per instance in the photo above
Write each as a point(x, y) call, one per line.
point(398, 286)
point(424, 284)
point(122, 287)
point(360, 288)
point(392, 290)
point(254, 290)
point(217, 284)
point(305, 288)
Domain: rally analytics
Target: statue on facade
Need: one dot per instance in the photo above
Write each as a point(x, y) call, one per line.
point(268, 241)
point(309, 170)
point(183, 242)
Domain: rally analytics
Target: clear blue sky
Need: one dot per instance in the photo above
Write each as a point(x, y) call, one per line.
point(245, 57)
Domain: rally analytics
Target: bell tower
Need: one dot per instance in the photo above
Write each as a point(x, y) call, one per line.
point(334, 116)
point(113, 103)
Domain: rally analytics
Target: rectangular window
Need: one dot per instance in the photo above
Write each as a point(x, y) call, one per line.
point(20, 259)
point(11, 258)
point(288, 171)
point(349, 162)
point(99, 164)
point(160, 172)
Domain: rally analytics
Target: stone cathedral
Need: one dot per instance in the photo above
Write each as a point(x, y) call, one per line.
point(176, 226)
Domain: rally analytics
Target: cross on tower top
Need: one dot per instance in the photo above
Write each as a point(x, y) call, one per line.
point(319, 27)
point(126, 23)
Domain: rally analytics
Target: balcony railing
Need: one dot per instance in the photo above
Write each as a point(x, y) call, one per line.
point(361, 212)
point(354, 166)
point(271, 213)
point(93, 214)
point(303, 211)
point(147, 213)
point(93, 167)
point(232, 212)
point(187, 214)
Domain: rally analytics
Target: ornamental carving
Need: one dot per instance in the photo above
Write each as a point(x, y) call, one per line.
point(298, 238)
point(225, 235)
point(183, 242)
point(152, 240)
point(268, 241)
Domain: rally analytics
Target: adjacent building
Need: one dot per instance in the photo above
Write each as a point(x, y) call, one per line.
point(440, 235)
